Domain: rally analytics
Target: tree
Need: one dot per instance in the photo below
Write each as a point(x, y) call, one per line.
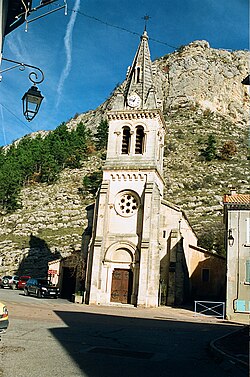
point(228, 150)
point(92, 182)
point(210, 152)
point(40, 160)
point(102, 135)
point(212, 237)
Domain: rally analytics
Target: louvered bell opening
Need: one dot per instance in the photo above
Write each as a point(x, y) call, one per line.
point(139, 142)
point(125, 140)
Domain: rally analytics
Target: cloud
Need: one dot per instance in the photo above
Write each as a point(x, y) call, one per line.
point(17, 47)
point(68, 50)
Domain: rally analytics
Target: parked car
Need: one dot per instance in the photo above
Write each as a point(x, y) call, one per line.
point(40, 288)
point(4, 319)
point(9, 281)
point(22, 281)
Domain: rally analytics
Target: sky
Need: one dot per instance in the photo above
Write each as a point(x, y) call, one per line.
point(86, 53)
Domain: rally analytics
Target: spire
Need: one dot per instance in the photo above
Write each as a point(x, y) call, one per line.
point(140, 78)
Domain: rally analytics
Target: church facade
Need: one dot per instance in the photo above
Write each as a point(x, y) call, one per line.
point(142, 249)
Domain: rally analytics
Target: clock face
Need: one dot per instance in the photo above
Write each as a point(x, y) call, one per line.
point(134, 100)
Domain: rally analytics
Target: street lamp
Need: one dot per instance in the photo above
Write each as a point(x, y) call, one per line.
point(230, 238)
point(32, 99)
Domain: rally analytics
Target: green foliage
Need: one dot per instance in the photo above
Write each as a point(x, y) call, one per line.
point(92, 182)
point(40, 160)
point(212, 237)
point(102, 135)
point(210, 152)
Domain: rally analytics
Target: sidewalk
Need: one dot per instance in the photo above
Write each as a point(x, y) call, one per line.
point(234, 346)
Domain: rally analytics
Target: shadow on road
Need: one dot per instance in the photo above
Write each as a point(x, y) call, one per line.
point(110, 345)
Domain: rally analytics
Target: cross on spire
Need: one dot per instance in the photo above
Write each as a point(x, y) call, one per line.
point(146, 18)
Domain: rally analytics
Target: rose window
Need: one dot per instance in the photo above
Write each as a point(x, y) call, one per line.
point(126, 204)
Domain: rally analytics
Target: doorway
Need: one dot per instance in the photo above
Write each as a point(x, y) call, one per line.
point(121, 288)
point(68, 282)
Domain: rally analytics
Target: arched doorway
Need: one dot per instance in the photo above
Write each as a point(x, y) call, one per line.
point(120, 274)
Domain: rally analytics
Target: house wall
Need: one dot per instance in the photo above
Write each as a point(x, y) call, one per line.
point(208, 285)
point(175, 268)
point(54, 271)
point(238, 289)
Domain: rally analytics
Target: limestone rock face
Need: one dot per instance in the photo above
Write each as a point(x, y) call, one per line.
point(202, 94)
point(210, 78)
point(48, 226)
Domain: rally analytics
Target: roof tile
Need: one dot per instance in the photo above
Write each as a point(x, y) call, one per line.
point(237, 198)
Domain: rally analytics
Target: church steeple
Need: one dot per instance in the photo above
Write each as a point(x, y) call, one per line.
point(136, 122)
point(139, 90)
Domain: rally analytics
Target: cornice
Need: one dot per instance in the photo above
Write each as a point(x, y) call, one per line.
point(136, 114)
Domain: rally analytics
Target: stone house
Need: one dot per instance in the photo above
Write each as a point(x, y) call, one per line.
point(237, 221)
point(139, 248)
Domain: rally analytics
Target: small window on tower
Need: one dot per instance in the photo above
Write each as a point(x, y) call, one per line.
point(125, 140)
point(139, 141)
point(138, 74)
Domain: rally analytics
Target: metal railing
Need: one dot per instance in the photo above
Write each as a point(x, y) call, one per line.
point(210, 308)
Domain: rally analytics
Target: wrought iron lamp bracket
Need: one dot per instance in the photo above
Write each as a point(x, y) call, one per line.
point(33, 76)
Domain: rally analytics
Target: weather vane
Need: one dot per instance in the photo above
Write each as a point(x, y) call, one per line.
point(146, 18)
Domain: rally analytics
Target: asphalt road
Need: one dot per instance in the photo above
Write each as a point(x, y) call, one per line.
point(49, 337)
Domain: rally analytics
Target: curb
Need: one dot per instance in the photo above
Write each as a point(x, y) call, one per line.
point(226, 356)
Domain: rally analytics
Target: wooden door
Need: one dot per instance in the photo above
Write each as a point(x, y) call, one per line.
point(121, 288)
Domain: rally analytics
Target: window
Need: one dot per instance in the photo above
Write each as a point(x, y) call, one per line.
point(125, 140)
point(205, 275)
point(248, 271)
point(139, 140)
point(126, 204)
point(138, 75)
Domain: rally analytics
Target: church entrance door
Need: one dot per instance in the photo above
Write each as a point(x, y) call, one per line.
point(121, 288)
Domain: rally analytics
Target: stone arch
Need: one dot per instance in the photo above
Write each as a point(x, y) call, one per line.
point(141, 124)
point(121, 258)
point(121, 252)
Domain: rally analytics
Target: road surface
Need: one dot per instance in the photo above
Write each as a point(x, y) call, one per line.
point(49, 337)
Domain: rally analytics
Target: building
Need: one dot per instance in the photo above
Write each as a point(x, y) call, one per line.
point(237, 221)
point(142, 249)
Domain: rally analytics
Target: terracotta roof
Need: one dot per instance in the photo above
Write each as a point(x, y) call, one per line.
point(237, 198)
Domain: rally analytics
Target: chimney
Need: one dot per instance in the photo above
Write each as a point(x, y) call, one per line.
point(233, 191)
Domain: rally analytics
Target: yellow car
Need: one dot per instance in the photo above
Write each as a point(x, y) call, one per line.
point(4, 319)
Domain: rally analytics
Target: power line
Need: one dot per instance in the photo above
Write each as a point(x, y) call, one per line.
point(17, 118)
point(120, 28)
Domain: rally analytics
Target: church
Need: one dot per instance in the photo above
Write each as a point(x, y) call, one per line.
point(142, 250)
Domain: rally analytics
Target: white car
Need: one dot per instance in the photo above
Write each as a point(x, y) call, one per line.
point(9, 281)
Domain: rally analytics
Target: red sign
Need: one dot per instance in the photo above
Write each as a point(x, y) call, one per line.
point(52, 272)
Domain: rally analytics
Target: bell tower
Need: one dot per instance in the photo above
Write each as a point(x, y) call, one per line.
point(124, 263)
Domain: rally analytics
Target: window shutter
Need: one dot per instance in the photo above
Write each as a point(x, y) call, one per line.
point(248, 271)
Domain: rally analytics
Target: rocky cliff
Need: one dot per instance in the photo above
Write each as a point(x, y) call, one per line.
point(203, 95)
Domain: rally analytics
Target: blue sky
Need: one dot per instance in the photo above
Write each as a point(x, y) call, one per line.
point(83, 58)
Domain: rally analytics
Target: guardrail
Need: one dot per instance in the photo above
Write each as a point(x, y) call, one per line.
point(210, 308)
